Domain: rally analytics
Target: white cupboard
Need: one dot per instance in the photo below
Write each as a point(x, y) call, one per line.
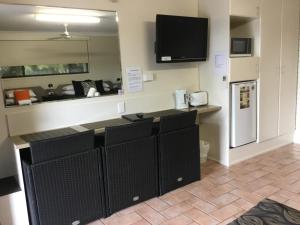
point(245, 8)
point(289, 66)
point(269, 69)
point(244, 68)
point(278, 68)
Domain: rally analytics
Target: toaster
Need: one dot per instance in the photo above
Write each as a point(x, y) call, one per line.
point(199, 98)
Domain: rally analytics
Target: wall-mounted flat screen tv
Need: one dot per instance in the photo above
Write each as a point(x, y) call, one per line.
point(180, 39)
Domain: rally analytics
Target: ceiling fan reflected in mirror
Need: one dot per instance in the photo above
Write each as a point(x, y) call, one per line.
point(66, 35)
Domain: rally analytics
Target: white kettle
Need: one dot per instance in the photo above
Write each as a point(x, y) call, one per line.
point(181, 99)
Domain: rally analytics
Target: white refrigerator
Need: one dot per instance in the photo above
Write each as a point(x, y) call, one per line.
point(243, 113)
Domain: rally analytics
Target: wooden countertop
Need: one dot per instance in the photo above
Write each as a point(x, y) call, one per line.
point(22, 141)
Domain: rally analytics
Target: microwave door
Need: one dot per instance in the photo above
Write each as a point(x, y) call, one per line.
point(241, 47)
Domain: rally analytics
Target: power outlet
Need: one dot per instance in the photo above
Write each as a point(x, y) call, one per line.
point(121, 107)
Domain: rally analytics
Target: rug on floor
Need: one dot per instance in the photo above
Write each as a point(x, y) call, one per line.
point(269, 212)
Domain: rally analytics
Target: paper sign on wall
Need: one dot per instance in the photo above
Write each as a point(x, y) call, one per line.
point(134, 79)
point(221, 64)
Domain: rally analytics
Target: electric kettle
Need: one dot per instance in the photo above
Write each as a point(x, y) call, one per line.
point(181, 99)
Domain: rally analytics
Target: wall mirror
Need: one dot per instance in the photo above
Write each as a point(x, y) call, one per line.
point(52, 54)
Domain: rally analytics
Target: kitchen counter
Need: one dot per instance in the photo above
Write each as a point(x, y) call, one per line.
point(22, 141)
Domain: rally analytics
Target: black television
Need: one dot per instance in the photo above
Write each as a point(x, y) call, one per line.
point(180, 39)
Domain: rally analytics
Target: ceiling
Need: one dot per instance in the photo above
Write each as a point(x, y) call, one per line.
point(22, 18)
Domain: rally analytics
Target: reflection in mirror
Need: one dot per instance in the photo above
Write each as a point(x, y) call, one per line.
point(51, 53)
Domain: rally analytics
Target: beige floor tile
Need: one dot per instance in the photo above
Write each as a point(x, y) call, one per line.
point(169, 199)
point(259, 173)
point(286, 194)
point(253, 198)
point(176, 210)
point(224, 200)
point(127, 219)
point(206, 220)
point(220, 180)
point(293, 204)
point(243, 204)
point(293, 177)
point(267, 190)
point(225, 212)
point(239, 213)
point(226, 222)
point(257, 184)
point(295, 187)
point(278, 198)
point(142, 222)
point(183, 196)
point(204, 206)
point(179, 220)
point(157, 204)
point(194, 213)
point(151, 215)
point(222, 189)
point(202, 194)
point(131, 209)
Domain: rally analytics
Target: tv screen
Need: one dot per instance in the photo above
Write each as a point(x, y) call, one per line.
point(181, 39)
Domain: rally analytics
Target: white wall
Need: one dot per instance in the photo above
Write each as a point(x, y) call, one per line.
point(137, 32)
point(215, 127)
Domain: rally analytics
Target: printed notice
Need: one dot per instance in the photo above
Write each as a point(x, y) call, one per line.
point(221, 64)
point(134, 79)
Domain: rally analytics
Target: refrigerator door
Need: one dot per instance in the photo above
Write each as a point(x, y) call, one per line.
point(243, 113)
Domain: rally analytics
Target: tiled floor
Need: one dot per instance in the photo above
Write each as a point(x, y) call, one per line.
point(223, 194)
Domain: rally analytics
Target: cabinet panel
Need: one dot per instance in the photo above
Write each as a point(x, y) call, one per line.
point(247, 8)
point(289, 65)
point(242, 69)
point(269, 69)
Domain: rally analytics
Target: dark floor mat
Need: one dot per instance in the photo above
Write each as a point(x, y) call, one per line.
point(269, 212)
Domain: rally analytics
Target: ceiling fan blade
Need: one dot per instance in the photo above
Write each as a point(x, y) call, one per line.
point(55, 38)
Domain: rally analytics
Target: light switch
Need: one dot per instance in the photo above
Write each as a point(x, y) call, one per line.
point(121, 107)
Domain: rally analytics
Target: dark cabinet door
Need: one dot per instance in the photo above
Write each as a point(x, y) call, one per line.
point(68, 189)
point(131, 173)
point(179, 158)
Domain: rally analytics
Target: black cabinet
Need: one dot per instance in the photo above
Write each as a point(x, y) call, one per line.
point(130, 165)
point(179, 158)
point(178, 150)
point(64, 189)
point(69, 181)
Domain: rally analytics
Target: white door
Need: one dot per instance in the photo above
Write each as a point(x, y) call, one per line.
point(243, 113)
point(269, 69)
point(289, 66)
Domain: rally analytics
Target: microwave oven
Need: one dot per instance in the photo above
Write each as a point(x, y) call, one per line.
point(241, 47)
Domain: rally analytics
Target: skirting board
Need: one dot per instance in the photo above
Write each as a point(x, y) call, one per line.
point(242, 153)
